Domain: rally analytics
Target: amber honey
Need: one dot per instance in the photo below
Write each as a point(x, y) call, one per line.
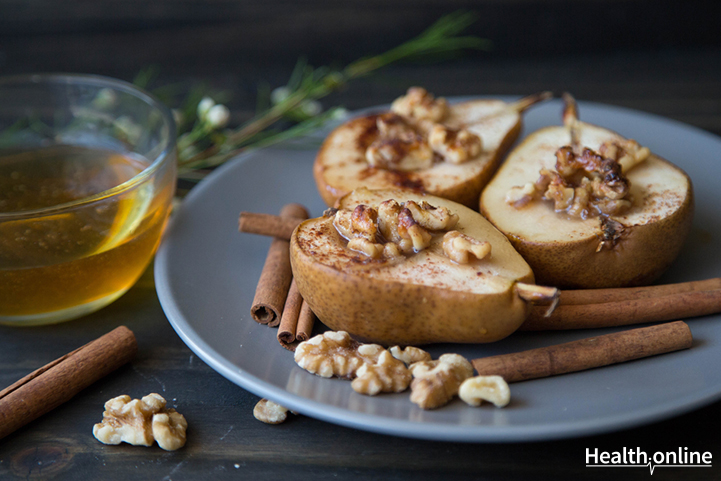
point(62, 254)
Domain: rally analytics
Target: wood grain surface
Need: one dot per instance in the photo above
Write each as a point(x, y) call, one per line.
point(664, 60)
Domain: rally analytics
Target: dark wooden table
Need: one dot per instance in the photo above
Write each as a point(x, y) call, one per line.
point(679, 81)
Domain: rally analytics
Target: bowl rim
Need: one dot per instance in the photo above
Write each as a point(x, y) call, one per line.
point(99, 81)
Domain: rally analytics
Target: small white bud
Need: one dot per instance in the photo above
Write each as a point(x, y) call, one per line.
point(311, 108)
point(204, 107)
point(218, 116)
point(279, 94)
point(340, 113)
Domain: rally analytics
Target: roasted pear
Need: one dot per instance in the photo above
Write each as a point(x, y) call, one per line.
point(588, 208)
point(397, 267)
point(423, 144)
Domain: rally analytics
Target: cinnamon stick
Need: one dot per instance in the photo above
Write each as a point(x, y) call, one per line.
point(296, 324)
point(274, 283)
point(631, 311)
point(270, 225)
point(305, 323)
point(587, 353)
point(599, 296)
point(289, 319)
point(57, 382)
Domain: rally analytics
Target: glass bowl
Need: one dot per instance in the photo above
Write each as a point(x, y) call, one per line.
point(87, 176)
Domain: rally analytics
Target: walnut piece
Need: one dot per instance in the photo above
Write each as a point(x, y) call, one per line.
point(477, 389)
point(454, 145)
point(626, 152)
point(419, 104)
point(133, 421)
point(269, 412)
point(435, 383)
point(584, 185)
point(461, 248)
point(430, 217)
point(386, 374)
point(410, 354)
point(169, 429)
point(335, 354)
point(397, 154)
point(410, 230)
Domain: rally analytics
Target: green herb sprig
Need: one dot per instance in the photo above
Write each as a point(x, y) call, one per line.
point(204, 142)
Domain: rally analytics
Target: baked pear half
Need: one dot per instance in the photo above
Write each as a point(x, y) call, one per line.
point(423, 144)
point(588, 208)
point(397, 267)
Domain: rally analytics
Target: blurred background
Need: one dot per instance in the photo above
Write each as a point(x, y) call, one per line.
point(662, 57)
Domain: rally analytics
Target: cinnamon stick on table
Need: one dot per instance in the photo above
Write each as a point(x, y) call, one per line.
point(587, 353)
point(274, 283)
point(296, 323)
point(57, 382)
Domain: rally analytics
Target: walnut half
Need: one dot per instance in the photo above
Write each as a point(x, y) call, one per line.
point(335, 354)
point(140, 422)
point(435, 383)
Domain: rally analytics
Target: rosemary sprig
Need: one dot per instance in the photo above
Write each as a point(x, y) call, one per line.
point(203, 145)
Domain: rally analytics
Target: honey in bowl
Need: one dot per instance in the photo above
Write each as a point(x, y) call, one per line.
point(72, 237)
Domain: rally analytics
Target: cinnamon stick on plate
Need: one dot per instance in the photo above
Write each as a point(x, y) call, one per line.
point(274, 283)
point(55, 383)
point(270, 225)
point(587, 353)
point(296, 323)
point(592, 308)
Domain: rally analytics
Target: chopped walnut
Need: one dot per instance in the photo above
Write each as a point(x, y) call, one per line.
point(454, 145)
point(582, 185)
point(400, 154)
point(359, 223)
point(269, 412)
point(411, 230)
point(435, 383)
point(419, 104)
point(461, 248)
point(393, 126)
point(169, 429)
point(410, 354)
point(520, 196)
point(133, 422)
point(373, 250)
point(626, 152)
point(386, 374)
point(430, 217)
point(388, 212)
point(335, 354)
point(477, 389)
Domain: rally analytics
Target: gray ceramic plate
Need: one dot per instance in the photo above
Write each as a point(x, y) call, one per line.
point(206, 274)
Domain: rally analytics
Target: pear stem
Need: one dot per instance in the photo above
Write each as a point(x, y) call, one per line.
point(570, 119)
point(521, 105)
point(539, 294)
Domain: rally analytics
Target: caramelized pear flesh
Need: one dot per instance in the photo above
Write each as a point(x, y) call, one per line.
point(630, 248)
point(342, 165)
point(421, 298)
